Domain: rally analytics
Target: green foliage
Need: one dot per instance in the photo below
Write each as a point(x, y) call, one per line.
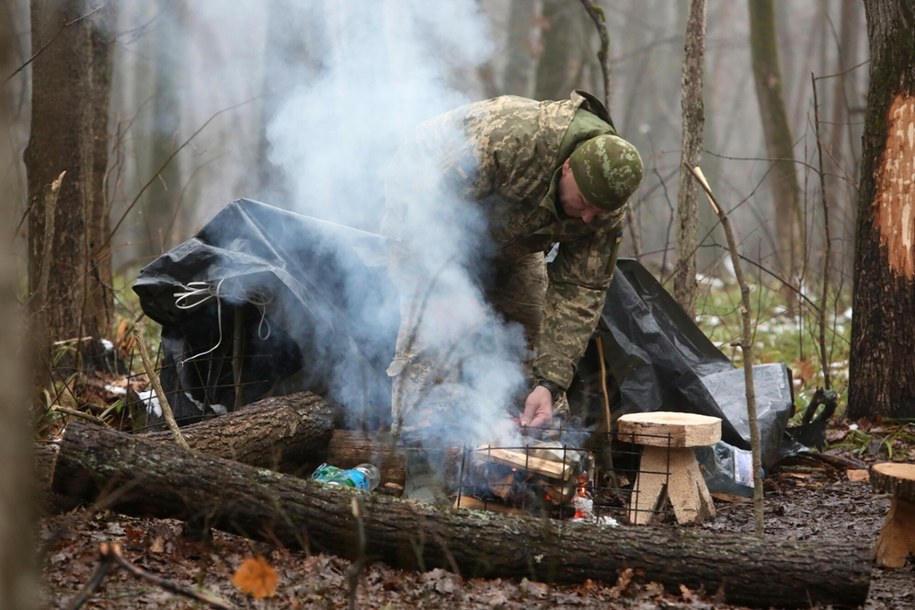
point(779, 336)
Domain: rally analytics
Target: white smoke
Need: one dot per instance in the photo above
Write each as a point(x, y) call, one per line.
point(386, 66)
point(341, 84)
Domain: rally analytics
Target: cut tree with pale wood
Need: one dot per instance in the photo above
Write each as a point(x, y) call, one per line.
point(147, 477)
point(668, 464)
point(896, 543)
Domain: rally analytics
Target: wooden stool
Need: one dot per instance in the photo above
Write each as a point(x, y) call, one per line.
point(669, 463)
point(897, 538)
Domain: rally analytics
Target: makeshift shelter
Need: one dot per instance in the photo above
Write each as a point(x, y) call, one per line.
point(265, 300)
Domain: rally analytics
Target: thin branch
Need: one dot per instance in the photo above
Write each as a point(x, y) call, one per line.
point(597, 16)
point(52, 39)
point(821, 318)
point(92, 586)
point(157, 386)
point(112, 553)
point(165, 163)
point(746, 348)
point(80, 414)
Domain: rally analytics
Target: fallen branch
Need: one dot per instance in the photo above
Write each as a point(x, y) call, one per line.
point(746, 348)
point(141, 477)
point(285, 433)
point(111, 556)
point(157, 386)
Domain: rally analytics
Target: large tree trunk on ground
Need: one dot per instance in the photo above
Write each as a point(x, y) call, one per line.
point(882, 369)
point(143, 477)
point(284, 433)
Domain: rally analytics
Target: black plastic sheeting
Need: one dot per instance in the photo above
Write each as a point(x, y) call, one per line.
point(661, 360)
point(285, 292)
point(287, 288)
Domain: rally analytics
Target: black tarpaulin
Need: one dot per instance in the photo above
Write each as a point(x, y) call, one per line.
point(307, 305)
point(301, 301)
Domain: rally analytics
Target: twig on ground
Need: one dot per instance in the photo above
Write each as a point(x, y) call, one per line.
point(75, 413)
point(111, 556)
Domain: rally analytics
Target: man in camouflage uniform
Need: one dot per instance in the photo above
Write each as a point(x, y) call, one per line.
point(531, 174)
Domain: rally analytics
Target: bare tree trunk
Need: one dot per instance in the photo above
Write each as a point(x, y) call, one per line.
point(882, 369)
point(519, 66)
point(693, 112)
point(17, 564)
point(162, 201)
point(562, 62)
point(779, 141)
point(842, 144)
point(70, 92)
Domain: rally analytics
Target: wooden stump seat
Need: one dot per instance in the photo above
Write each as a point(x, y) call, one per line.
point(668, 463)
point(897, 537)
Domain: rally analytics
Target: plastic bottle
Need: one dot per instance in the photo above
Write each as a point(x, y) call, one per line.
point(364, 476)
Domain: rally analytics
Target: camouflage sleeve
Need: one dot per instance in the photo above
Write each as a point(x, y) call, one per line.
point(578, 282)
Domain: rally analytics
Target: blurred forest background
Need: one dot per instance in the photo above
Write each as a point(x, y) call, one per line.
point(127, 125)
point(196, 87)
point(190, 105)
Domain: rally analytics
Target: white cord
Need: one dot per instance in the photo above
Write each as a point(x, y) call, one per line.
point(198, 293)
point(203, 292)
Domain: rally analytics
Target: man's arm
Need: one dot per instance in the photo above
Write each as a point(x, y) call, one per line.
point(578, 282)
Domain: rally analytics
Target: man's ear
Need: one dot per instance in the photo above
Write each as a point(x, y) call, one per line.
point(566, 166)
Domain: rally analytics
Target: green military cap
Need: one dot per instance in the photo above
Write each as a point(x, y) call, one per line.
point(607, 170)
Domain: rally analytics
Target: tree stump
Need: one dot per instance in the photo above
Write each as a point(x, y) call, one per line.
point(668, 463)
point(896, 542)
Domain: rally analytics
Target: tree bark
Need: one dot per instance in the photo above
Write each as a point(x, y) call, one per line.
point(693, 111)
point(162, 212)
point(70, 92)
point(882, 369)
point(142, 477)
point(284, 433)
point(18, 573)
point(561, 65)
point(516, 79)
point(779, 142)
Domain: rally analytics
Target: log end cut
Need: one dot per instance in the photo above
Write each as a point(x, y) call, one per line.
point(669, 429)
point(896, 542)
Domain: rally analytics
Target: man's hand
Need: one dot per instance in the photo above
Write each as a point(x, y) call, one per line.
point(538, 408)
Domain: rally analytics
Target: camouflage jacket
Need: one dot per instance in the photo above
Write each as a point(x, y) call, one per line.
point(506, 153)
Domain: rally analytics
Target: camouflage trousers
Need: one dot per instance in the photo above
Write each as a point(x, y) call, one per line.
point(427, 392)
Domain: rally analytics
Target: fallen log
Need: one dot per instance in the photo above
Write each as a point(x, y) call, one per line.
point(284, 433)
point(142, 477)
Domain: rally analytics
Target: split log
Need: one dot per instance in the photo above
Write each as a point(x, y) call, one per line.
point(668, 465)
point(896, 542)
point(142, 477)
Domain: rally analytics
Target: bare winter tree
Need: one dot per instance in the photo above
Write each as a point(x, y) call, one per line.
point(66, 159)
point(162, 207)
point(17, 580)
point(690, 156)
point(882, 369)
point(779, 142)
point(517, 77)
point(562, 63)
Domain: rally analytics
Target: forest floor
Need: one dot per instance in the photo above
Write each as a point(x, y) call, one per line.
point(812, 498)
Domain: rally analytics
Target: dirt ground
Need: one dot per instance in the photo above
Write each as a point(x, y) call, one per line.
point(806, 498)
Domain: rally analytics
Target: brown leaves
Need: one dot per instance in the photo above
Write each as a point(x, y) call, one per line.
point(256, 577)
